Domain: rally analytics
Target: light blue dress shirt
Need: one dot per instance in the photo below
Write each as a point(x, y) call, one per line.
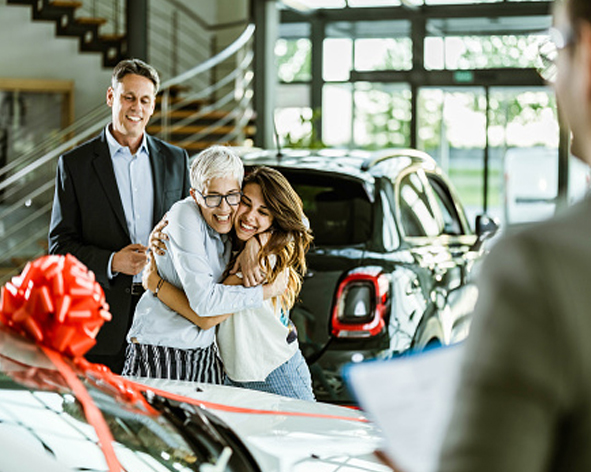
point(136, 190)
point(195, 261)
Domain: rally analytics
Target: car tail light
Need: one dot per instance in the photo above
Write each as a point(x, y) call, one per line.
point(360, 306)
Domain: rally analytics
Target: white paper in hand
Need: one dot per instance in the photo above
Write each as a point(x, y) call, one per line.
point(410, 398)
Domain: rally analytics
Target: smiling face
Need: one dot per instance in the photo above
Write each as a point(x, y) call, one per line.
point(253, 215)
point(132, 104)
point(220, 218)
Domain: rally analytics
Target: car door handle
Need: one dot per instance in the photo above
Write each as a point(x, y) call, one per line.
point(439, 297)
point(413, 287)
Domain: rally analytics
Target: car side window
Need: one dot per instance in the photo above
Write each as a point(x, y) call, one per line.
point(443, 199)
point(390, 237)
point(417, 216)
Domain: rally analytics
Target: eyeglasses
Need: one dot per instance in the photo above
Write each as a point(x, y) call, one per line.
point(548, 49)
point(214, 201)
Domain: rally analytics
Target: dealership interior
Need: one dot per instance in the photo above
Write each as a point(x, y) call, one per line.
point(414, 132)
point(457, 79)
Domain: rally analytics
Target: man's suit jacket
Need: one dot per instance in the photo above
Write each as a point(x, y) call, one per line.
point(88, 220)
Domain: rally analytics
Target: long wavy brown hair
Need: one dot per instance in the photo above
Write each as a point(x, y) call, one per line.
point(290, 235)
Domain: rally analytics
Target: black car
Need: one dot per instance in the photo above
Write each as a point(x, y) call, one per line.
point(390, 269)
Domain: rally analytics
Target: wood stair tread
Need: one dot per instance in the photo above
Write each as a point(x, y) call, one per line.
point(174, 99)
point(62, 13)
point(202, 144)
point(249, 129)
point(176, 88)
point(87, 20)
point(65, 4)
point(112, 37)
point(214, 114)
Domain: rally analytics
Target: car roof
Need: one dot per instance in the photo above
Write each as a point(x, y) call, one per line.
point(361, 164)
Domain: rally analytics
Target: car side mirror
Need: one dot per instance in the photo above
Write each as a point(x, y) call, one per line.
point(486, 227)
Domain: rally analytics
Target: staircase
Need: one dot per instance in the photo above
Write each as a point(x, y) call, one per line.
point(208, 102)
point(194, 124)
point(87, 28)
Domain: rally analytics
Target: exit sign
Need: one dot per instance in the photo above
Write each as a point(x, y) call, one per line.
point(463, 76)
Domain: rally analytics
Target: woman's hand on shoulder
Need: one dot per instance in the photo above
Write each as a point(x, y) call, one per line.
point(278, 286)
point(157, 237)
point(150, 276)
point(247, 262)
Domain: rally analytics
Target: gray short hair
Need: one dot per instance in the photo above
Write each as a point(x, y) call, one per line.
point(215, 162)
point(137, 67)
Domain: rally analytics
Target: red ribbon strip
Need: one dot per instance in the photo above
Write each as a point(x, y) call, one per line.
point(131, 389)
point(252, 411)
point(93, 414)
point(238, 409)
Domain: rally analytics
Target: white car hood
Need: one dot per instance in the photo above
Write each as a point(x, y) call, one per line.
point(283, 443)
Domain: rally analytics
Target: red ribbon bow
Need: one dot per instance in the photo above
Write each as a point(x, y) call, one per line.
point(57, 302)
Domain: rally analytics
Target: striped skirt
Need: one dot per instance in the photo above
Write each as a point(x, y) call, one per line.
point(162, 362)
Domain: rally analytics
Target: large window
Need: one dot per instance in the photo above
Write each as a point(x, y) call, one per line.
point(455, 129)
point(293, 59)
point(366, 115)
point(383, 54)
point(481, 52)
point(293, 115)
point(382, 115)
point(463, 88)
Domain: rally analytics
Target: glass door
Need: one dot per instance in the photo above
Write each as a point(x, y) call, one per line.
point(499, 145)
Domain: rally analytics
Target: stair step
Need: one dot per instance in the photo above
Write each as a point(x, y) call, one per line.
point(65, 4)
point(201, 144)
point(210, 115)
point(192, 129)
point(176, 99)
point(87, 20)
point(177, 104)
point(111, 38)
point(174, 90)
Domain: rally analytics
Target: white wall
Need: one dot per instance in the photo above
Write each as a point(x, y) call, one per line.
point(30, 49)
point(206, 9)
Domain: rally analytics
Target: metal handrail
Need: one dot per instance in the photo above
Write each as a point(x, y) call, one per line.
point(206, 26)
point(220, 57)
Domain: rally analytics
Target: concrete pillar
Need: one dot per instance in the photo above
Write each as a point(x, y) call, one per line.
point(266, 18)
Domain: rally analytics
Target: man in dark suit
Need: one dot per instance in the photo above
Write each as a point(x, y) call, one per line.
point(109, 192)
